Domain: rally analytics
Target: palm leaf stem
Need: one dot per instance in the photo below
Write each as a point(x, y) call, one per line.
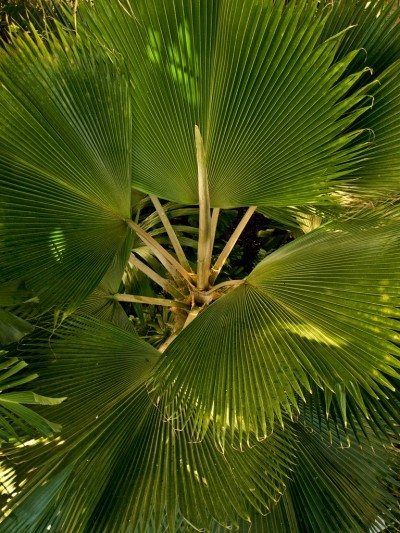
point(216, 269)
point(74, 13)
point(166, 259)
point(204, 243)
point(159, 280)
point(148, 300)
point(191, 316)
point(171, 233)
point(214, 222)
point(231, 283)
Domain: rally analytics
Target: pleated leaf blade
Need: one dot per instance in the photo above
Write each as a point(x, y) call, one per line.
point(321, 311)
point(253, 76)
point(65, 152)
point(118, 458)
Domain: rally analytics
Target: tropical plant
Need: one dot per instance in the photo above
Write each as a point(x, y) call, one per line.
point(17, 16)
point(199, 246)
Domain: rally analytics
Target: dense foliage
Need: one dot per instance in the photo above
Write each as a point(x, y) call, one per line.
point(199, 266)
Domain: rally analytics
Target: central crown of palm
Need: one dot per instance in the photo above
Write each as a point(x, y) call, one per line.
point(213, 104)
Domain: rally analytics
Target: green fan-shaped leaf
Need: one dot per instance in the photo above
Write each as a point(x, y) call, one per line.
point(100, 303)
point(18, 422)
point(333, 488)
point(12, 327)
point(379, 174)
point(101, 306)
point(281, 519)
point(353, 420)
point(65, 163)
point(14, 297)
point(374, 30)
point(253, 76)
point(321, 310)
point(124, 463)
point(14, 293)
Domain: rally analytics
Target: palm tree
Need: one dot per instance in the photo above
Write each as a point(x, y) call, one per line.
point(17, 16)
point(190, 389)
